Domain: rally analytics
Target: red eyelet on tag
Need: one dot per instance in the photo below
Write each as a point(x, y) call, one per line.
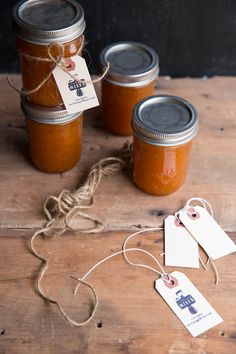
point(169, 281)
point(69, 64)
point(193, 214)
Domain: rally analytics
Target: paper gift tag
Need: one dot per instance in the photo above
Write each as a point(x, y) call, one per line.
point(207, 232)
point(189, 305)
point(77, 96)
point(180, 247)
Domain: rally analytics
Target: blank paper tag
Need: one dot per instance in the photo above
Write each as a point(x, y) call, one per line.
point(207, 232)
point(193, 310)
point(181, 250)
point(77, 96)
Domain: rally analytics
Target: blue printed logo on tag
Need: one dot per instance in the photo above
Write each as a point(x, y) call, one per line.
point(185, 302)
point(74, 85)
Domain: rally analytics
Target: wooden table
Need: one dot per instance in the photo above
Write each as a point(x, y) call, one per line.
point(131, 316)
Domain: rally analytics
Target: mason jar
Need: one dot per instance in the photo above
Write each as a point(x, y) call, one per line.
point(134, 68)
point(163, 128)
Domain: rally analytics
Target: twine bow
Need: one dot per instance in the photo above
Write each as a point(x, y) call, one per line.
point(57, 61)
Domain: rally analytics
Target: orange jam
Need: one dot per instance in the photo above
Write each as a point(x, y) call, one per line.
point(118, 103)
point(54, 137)
point(44, 28)
point(34, 71)
point(131, 77)
point(163, 128)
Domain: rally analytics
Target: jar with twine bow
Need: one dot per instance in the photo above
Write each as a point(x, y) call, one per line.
point(47, 32)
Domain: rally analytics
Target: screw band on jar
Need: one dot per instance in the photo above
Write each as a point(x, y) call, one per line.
point(163, 130)
point(51, 115)
point(165, 120)
point(45, 22)
point(55, 138)
point(132, 64)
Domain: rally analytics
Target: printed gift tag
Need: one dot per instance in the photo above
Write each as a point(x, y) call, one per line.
point(77, 96)
point(180, 247)
point(207, 232)
point(189, 305)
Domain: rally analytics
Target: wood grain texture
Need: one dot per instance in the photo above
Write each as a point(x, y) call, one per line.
point(131, 317)
point(211, 175)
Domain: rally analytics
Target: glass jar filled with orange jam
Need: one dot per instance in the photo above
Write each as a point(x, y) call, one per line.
point(163, 129)
point(43, 26)
point(134, 68)
point(54, 137)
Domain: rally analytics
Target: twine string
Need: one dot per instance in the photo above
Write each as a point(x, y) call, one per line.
point(140, 264)
point(165, 276)
point(133, 249)
point(56, 62)
point(67, 206)
point(206, 205)
point(41, 274)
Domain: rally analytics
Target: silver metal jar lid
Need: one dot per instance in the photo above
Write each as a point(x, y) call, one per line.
point(165, 120)
point(45, 22)
point(131, 64)
point(52, 115)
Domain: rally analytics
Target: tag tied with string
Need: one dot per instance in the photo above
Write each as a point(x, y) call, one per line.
point(71, 75)
point(189, 227)
point(186, 301)
point(193, 310)
point(75, 85)
point(206, 231)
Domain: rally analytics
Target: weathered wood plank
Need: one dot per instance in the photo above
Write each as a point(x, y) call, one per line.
point(211, 174)
point(131, 317)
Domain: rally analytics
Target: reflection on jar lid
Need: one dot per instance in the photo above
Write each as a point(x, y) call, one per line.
point(44, 22)
point(47, 115)
point(131, 64)
point(165, 120)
